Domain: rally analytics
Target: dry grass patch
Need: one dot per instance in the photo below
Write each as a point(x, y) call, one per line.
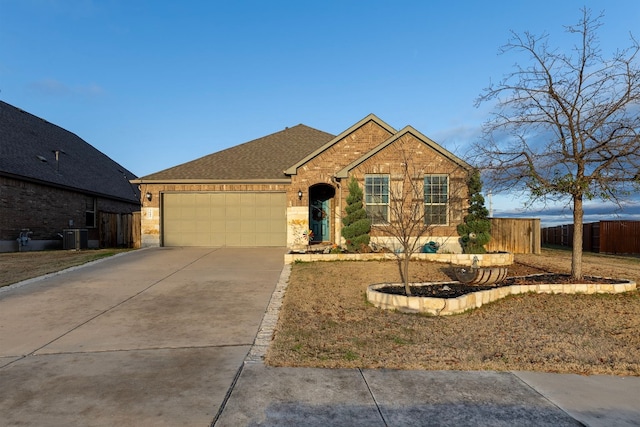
point(18, 266)
point(325, 321)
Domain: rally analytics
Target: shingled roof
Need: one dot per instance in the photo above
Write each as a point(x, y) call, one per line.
point(262, 159)
point(28, 149)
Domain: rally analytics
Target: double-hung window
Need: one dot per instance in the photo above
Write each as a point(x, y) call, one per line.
point(436, 199)
point(376, 198)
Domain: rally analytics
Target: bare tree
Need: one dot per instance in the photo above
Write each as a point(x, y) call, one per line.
point(565, 126)
point(409, 221)
point(406, 223)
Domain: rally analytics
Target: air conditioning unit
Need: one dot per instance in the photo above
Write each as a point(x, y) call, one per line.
point(75, 238)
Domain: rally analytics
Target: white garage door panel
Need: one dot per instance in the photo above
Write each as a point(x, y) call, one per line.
point(224, 219)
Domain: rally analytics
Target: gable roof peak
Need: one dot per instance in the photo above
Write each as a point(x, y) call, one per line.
point(293, 170)
point(344, 172)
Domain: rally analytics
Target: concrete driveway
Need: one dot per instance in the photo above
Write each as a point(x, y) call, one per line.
point(152, 337)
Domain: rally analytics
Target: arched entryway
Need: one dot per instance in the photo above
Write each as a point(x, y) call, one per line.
point(320, 196)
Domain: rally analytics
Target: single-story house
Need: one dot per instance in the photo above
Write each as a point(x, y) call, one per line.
point(270, 191)
point(51, 180)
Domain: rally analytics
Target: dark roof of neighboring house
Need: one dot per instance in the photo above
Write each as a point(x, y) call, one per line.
point(262, 159)
point(28, 146)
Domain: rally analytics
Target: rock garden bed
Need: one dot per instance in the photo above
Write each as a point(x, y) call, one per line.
point(446, 298)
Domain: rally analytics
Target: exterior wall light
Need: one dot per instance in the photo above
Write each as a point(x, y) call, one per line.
point(299, 194)
point(148, 196)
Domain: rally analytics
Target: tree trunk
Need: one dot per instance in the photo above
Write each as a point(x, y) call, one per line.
point(407, 258)
point(576, 256)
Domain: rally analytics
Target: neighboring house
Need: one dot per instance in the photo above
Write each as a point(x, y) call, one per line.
point(52, 180)
point(270, 191)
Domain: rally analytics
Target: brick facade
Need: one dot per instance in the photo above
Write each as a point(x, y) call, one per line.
point(422, 160)
point(157, 189)
point(323, 168)
point(425, 160)
point(46, 210)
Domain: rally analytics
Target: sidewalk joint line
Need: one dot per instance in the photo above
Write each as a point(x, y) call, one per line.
point(533, 389)
point(373, 397)
point(227, 395)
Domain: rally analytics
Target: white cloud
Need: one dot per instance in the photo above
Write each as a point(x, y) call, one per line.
point(458, 139)
point(559, 214)
point(50, 87)
point(92, 89)
point(53, 87)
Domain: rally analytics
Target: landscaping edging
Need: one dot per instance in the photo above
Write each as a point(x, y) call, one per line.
point(448, 306)
point(497, 259)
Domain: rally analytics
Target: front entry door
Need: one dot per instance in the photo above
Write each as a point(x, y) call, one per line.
point(319, 220)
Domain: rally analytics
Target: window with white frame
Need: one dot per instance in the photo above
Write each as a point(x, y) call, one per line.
point(376, 198)
point(436, 199)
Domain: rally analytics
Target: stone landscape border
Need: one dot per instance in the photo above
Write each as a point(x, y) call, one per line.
point(484, 260)
point(448, 306)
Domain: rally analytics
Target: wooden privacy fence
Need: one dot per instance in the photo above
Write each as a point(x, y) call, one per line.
point(515, 235)
point(119, 230)
point(612, 237)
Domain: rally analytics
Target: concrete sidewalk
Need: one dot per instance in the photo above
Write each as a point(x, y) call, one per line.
point(267, 396)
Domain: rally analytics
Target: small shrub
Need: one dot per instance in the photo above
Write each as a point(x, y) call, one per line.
point(475, 232)
point(356, 225)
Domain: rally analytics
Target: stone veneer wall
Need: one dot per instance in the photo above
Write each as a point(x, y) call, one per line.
point(448, 244)
point(448, 306)
point(297, 225)
point(484, 260)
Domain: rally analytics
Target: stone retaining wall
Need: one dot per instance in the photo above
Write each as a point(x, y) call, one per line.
point(484, 260)
point(447, 306)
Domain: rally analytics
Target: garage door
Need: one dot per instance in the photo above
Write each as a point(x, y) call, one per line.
point(224, 219)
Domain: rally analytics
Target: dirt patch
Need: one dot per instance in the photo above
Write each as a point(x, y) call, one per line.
point(326, 321)
point(18, 266)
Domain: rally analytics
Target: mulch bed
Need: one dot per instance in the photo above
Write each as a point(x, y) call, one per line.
point(456, 289)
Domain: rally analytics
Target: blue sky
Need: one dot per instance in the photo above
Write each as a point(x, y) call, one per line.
point(155, 83)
